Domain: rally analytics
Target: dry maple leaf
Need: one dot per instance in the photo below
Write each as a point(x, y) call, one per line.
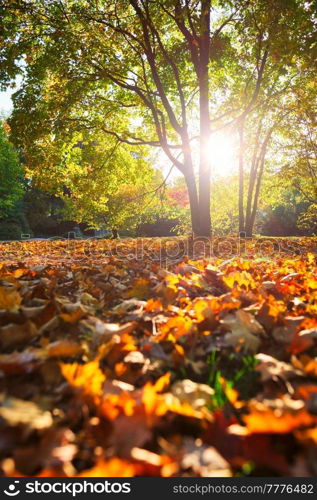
point(17, 412)
point(205, 309)
point(277, 416)
point(175, 328)
point(157, 405)
point(9, 300)
point(88, 377)
point(114, 467)
point(114, 404)
point(140, 289)
point(54, 450)
point(197, 395)
point(305, 363)
point(204, 461)
point(13, 335)
point(128, 305)
point(129, 432)
point(63, 348)
point(284, 334)
point(303, 340)
point(241, 279)
point(244, 329)
point(273, 369)
point(73, 316)
point(307, 436)
point(105, 331)
point(19, 362)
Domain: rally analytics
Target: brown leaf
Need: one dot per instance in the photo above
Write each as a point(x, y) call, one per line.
point(64, 349)
point(204, 461)
point(15, 335)
point(19, 362)
point(272, 369)
point(244, 330)
point(197, 395)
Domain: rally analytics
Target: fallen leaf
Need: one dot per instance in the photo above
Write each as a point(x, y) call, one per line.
point(25, 413)
point(204, 461)
point(244, 329)
point(9, 300)
point(197, 395)
point(114, 467)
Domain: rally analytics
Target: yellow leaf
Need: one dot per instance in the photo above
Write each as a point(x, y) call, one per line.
point(240, 279)
point(88, 376)
point(9, 300)
point(140, 289)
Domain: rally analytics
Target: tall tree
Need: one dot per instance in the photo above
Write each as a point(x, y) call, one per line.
point(128, 58)
point(153, 73)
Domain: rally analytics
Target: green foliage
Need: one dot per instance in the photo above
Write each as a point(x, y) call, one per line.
point(99, 181)
point(10, 230)
point(122, 193)
point(15, 223)
point(11, 175)
point(283, 216)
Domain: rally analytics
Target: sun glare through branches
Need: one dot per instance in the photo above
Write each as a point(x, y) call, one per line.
point(223, 152)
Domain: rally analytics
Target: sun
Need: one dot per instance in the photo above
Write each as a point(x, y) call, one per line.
point(223, 153)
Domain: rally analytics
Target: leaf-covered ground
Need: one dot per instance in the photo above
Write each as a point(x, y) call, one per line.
point(130, 359)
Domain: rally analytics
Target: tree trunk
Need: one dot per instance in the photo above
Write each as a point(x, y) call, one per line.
point(241, 177)
point(250, 225)
point(203, 80)
point(256, 156)
point(248, 216)
point(257, 193)
point(193, 200)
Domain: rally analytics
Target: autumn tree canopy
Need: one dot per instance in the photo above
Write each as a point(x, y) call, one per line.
point(159, 74)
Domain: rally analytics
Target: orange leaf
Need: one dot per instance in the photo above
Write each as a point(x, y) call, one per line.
point(63, 348)
point(306, 364)
point(115, 467)
point(308, 436)
point(72, 317)
point(153, 305)
point(276, 421)
point(163, 382)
